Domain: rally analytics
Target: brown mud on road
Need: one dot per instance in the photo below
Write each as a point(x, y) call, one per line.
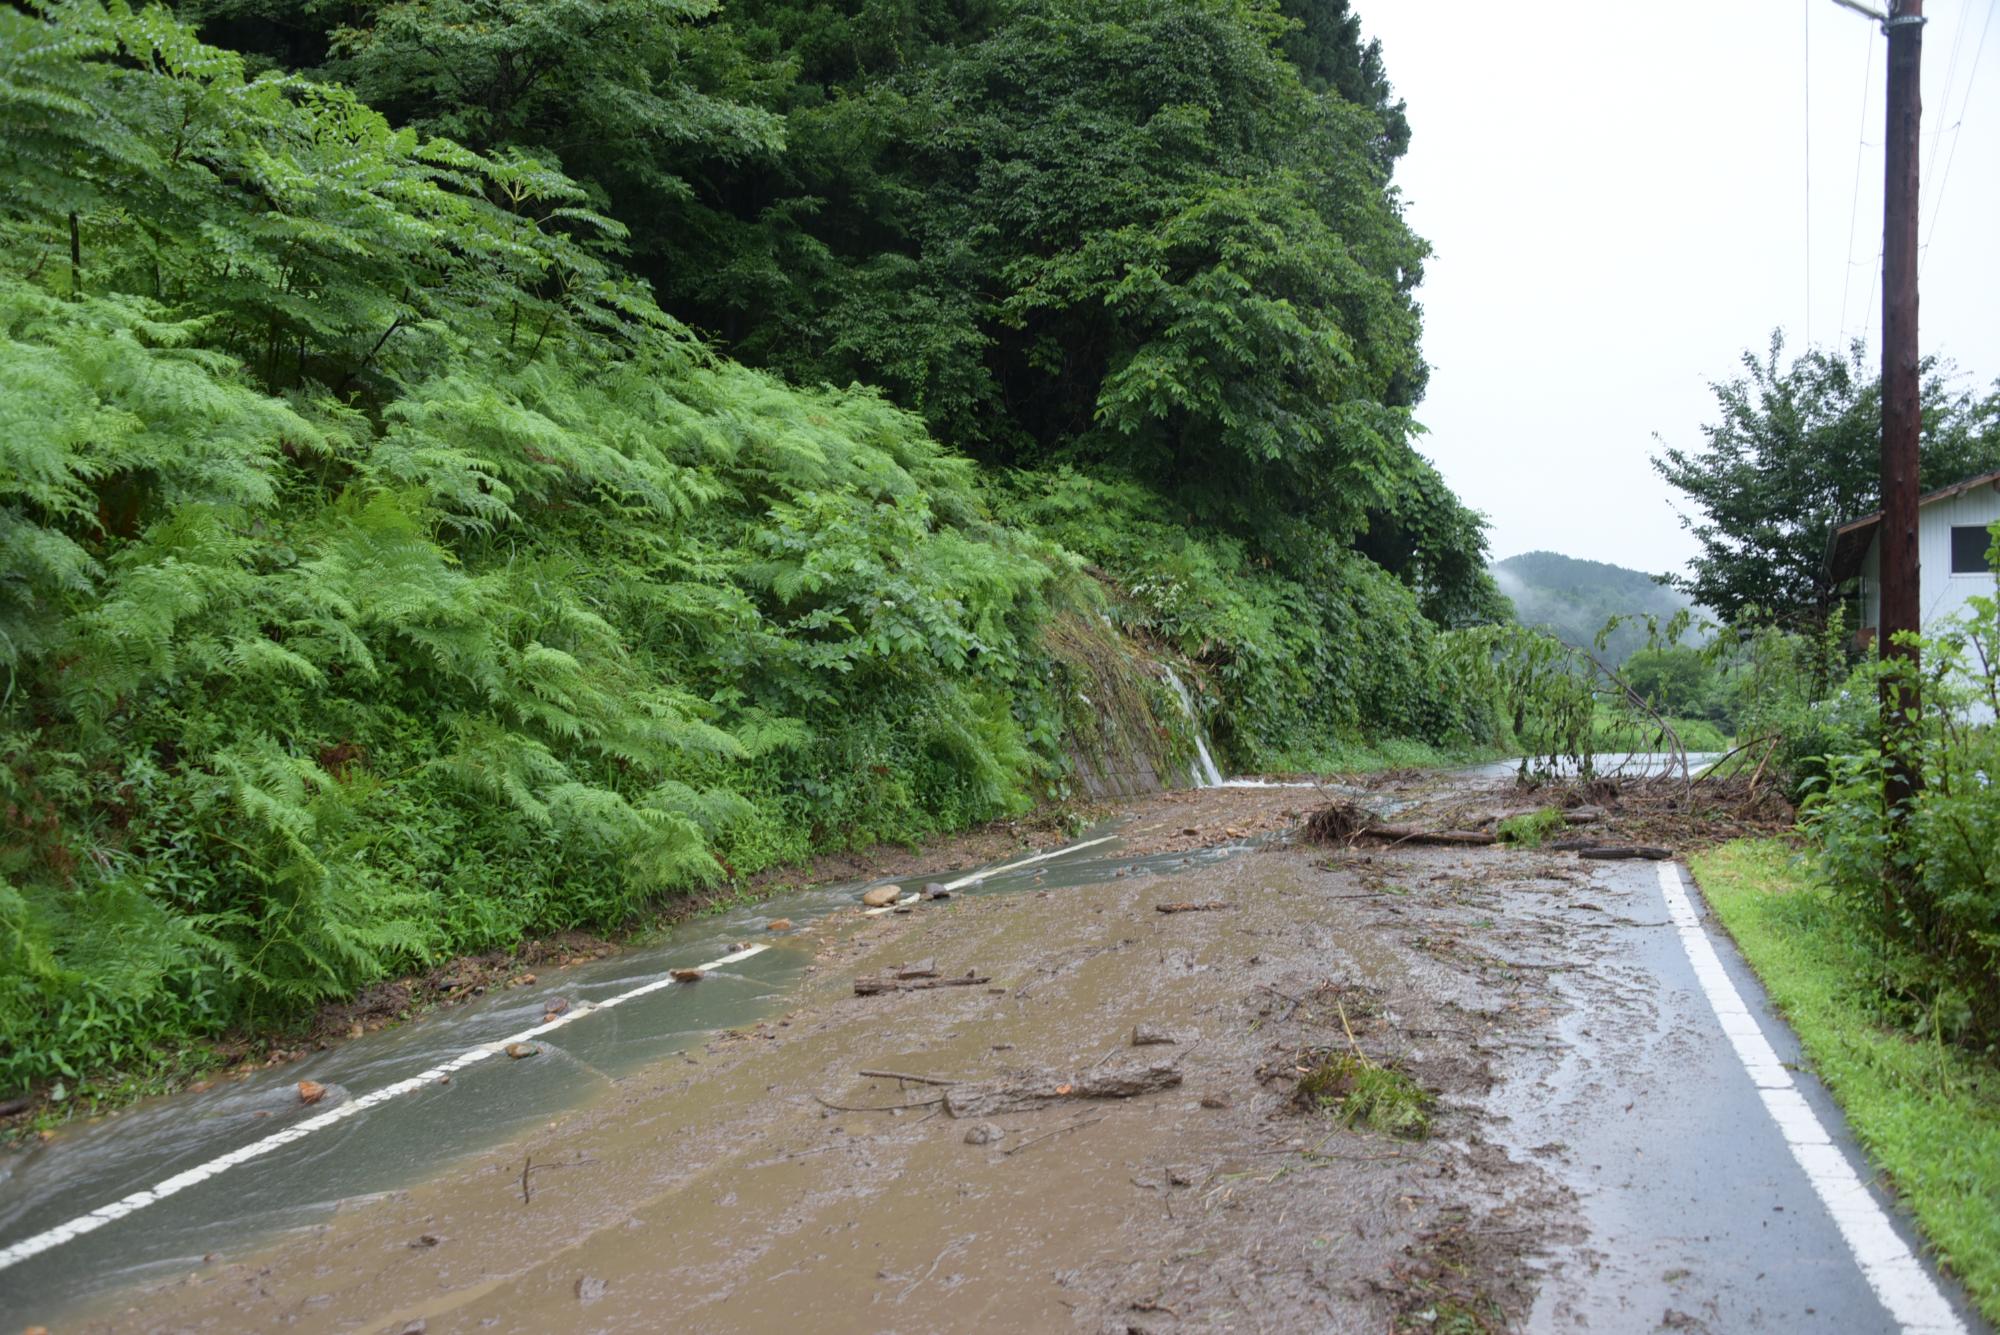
point(742, 1186)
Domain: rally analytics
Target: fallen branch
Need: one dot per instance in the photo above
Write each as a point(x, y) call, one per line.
point(868, 987)
point(1073, 1126)
point(1714, 768)
point(1188, 906)
point(1041, 1088)
point(1613, 851)
point(913, 1079)
point(887, 1107)
point(1410, 834)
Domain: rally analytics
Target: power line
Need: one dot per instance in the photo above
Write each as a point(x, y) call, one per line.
point(1944, 93)
point(1964, 105)
point(1854, 208)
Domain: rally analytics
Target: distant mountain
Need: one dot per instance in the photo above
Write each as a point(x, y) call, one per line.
point(1573, 599)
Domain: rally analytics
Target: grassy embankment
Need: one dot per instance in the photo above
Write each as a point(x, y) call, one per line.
point(1927, 1113)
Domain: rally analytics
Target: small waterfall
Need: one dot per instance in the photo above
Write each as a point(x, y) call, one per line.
point(1203, 770)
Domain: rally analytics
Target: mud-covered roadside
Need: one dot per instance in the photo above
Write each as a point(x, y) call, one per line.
point(1159, 821)
point(739, 1187)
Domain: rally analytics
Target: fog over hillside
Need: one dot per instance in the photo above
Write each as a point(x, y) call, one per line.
point(1573, 598)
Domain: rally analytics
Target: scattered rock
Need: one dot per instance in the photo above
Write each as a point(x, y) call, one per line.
point(937, 890)
point(1190, 832)
point(311, 1091)
point(882, 896)
point(417, 1327)
point(590, 1288)
point(427, 1240)
point(920, 969)
point(1214, 1101)
point(520, 1050)
point(1144, 1035)
point(685, 975)
point(778, 925)
point(984, 1133)
point(1179, 1177)
point(354, 1030)
point(553, 1007)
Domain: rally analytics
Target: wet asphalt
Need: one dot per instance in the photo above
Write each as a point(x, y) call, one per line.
point(1698, 1215)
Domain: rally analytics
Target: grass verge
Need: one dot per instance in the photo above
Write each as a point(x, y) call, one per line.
point(1928, 1114)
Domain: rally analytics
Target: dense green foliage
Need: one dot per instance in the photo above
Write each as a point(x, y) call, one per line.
point(1574, 599)
point(1923, 873)
point(551, 614)
point(387, 575)
point(1795, 452)
point(1293, 664)
point(1148, 238)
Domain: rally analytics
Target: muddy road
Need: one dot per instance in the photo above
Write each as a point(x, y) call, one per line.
point(1335, 1088)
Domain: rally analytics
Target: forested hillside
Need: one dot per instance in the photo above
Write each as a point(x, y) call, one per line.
point(475, 468)
point(1573, 599)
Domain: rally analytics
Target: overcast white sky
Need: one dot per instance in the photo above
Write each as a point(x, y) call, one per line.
point(1617, 197)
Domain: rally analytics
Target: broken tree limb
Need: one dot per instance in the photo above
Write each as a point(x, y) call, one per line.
point(869, 1108)
point(1073, 1126)
point(1038, 1089)
point(1410, 834)
point(1613, 851)
point(1346, 822)
point(868, 987)
point(1188, 906)
point(913, 1079)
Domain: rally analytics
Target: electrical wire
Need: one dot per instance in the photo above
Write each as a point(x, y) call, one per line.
point(1944, 95)
point(1964, 105)
point(1854, 207)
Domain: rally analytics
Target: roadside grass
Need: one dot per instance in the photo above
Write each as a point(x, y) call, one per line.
point(1928, 1114)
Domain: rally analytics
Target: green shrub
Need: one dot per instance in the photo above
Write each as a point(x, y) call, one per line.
point(1531, 829)
point(1923, 873)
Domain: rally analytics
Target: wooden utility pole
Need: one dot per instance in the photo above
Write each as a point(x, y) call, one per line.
point(1901, 410)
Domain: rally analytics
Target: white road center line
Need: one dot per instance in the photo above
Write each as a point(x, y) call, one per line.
point(179, 1182)
point(1892, 1270)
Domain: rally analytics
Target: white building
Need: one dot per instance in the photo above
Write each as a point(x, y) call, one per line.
point(1952, 539)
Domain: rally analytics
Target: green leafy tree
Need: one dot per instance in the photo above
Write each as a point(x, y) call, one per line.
point(1796, 451)
point(631, 98)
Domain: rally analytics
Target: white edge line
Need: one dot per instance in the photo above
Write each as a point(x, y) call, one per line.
point(222, 1163)
point(1891, 1269)
point(179, 1182)
point(969, 878)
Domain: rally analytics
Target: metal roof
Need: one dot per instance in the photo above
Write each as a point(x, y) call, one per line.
point(1850, 540)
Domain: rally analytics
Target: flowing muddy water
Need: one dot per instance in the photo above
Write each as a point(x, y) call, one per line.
point(762, 1180)
point(406, 1138)
point(1595, 1159)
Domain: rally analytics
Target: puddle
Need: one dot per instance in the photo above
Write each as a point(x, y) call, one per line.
point(409, 1138)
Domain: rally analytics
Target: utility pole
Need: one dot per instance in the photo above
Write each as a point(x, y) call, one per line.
point(1901, 410)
